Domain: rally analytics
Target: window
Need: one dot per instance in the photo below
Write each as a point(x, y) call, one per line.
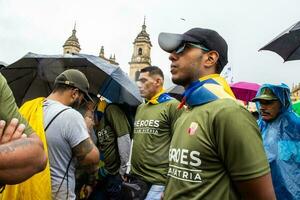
point(140, 51)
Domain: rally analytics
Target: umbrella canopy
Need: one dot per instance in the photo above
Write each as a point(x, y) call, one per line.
point(245, 91)
point(296, 107)
point(119, 89)
point(34, 74)
point(2, 64)
point(286, 44)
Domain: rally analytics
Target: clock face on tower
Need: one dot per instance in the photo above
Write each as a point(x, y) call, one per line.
point(138, 58)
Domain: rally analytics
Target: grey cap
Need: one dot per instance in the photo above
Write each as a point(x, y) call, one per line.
point(75, 78)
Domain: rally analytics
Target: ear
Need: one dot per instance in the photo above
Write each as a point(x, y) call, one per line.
point(212, 59)
point(159, 80)
point(73, 93)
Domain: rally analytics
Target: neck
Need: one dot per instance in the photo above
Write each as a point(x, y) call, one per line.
point(60, 97)
point(202, 78)
point(208, 76)
point(160, 89)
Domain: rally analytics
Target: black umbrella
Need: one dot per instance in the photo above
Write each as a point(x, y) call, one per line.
point(33, 76)
point(286, 44)
point(176, 91)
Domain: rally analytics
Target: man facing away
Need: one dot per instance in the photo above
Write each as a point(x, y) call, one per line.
point(216, 151)
point(67, 136)
point(21, 151)
point(280, 128)
point(153, 131)
point(113, 133)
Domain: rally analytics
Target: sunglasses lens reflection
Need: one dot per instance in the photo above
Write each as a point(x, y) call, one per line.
point(180, 49)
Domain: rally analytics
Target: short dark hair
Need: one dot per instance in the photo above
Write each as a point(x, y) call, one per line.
point(153, 70)
point(59, 87)
point(219, 67)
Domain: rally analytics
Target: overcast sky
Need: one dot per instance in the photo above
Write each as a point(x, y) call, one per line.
point(42, 26)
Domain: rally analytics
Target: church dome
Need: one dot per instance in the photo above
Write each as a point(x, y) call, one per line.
point(72, 43)
point(143, 36)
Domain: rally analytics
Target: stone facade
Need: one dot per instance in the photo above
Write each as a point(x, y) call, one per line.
point(295, 92)
point(111, 59)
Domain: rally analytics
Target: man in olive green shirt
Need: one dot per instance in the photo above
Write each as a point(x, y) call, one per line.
point(216, 151)
point(153, 131)
point(114, 142)
point(21, 151)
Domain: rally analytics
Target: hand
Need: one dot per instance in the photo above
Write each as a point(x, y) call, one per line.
point(124, 178)
point(162, 196)
point(90, 106)
point(89, 123)
point(86, 191)
point(89, 113)
point(12, 131)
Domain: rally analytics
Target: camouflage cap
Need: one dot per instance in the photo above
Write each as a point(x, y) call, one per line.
point(266, 94)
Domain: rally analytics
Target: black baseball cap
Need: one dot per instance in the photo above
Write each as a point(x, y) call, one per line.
point(77, 79)
point(208, 38)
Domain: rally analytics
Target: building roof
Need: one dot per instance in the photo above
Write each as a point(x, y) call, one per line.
point(143, 36)
point(72, 40)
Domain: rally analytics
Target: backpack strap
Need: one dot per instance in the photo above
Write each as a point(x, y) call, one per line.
point(67, 170)
point(55, 117)
point(66, 174)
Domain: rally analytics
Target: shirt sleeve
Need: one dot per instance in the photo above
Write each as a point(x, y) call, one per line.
point(240, 144)
point(9, 108)
point(76, 130)
point(174, 112)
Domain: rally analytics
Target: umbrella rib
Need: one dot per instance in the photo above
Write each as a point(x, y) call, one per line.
point(292, 52)
point(30, 84)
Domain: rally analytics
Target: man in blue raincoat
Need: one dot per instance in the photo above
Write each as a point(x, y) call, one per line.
point(280, 128)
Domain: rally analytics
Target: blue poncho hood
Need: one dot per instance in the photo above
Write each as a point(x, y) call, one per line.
point(281, 138)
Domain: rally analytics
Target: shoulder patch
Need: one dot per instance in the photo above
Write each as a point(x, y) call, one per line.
point(193, 127)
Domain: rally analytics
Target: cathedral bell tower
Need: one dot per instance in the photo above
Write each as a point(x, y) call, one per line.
point(72, 45)
point(141, 53)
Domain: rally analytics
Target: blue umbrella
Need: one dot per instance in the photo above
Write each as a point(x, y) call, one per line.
point(33, 75)
point(115, 93)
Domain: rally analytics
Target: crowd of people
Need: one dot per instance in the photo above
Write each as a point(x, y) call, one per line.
point(208, 146)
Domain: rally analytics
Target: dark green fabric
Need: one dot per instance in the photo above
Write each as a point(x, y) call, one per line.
point(112, 126)
point(151, 140)
point(212, 146)
point(8, 106)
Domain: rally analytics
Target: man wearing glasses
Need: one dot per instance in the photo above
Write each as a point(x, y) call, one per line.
point(216, 150)
point(280, 128)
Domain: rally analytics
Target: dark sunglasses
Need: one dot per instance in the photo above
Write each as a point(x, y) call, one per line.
point(183, 46)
